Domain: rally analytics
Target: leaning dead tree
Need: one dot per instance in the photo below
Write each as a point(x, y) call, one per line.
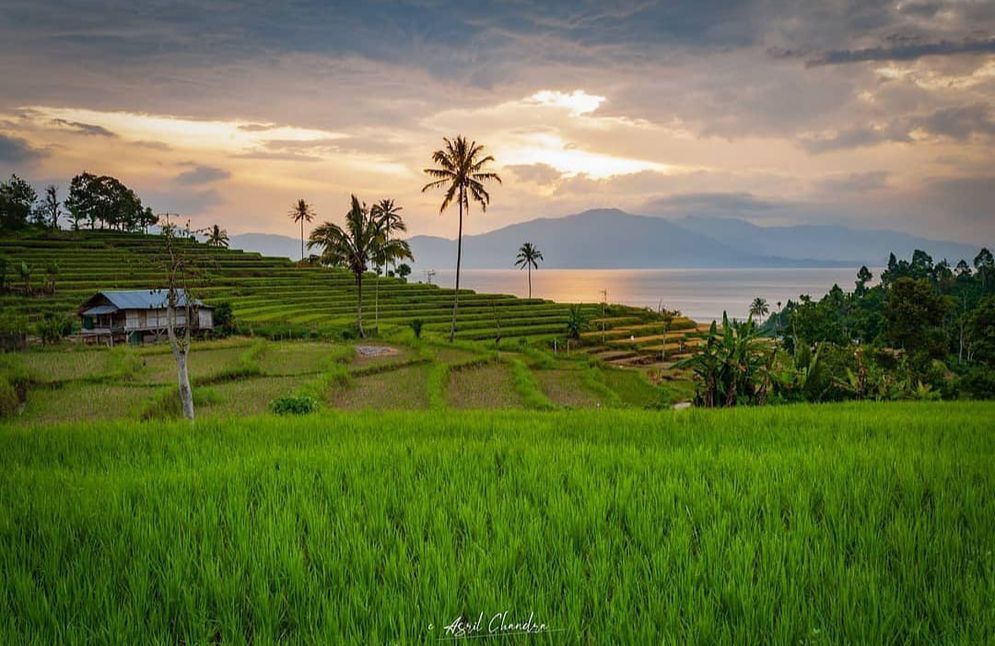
point(177, 270)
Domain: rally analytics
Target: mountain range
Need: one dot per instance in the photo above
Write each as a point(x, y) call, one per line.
point(614, 239)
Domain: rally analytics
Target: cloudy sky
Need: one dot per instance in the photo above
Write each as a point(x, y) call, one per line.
point(864, 112)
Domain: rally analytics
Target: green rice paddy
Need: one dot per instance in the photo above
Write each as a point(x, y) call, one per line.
point(859, 523)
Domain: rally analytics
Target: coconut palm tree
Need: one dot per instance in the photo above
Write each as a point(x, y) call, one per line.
point(759, 308)
point(528, 258)
point(352, 247)
point(217, 237)
point(301, 212)
point(388, 249)
point(460, 171)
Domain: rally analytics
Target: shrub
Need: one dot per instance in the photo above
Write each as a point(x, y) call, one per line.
point(55, 327)
point(294, 405)
point(978, 383)
point(9, 401)
point(224, 320)
point(416, 326)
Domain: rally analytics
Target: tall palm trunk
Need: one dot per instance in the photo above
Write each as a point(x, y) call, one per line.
point(376, 306)
point(359, 305)
point(530, 282)
point(302, 240)
point(459, 257)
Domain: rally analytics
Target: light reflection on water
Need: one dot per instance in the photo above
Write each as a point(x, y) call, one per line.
point(701, 294)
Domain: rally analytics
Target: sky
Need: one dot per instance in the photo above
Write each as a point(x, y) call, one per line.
point(866, 113)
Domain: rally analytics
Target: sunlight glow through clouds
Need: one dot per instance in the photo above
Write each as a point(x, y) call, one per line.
point(549, 127)
point(233, 136)
point(577, 102)
point(552, 150)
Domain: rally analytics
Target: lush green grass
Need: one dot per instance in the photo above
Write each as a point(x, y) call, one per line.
point(855, 524)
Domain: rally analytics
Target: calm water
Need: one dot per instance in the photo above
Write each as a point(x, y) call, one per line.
point(701, 294)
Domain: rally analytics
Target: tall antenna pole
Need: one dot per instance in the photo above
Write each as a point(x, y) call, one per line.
point(604, 312)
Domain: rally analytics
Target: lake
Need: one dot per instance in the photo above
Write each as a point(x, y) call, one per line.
point(701, 294)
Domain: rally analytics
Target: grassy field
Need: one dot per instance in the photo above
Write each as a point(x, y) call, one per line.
point(804, 524)
point(240, 376)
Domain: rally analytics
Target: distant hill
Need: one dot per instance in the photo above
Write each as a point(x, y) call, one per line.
point(614, 239)
point(824, 242)
point(600, 239)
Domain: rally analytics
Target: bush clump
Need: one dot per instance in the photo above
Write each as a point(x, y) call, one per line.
point(9, 401)
point(294, 405)
point(55, 327)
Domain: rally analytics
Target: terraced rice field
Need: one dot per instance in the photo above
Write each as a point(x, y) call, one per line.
point(269, 296)
point(239, 377)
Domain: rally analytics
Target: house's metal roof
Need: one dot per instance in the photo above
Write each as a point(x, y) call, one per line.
point(146, 299)
point(100, 309)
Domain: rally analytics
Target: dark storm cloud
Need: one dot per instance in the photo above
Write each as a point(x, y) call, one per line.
point(202, 175)
point(904, 52)
point(857, 137)
point(15, 150)
point(84, 128)
point(957, 123)
point(960, 122)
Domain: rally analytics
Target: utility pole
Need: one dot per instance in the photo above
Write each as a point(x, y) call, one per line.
point(604, 312)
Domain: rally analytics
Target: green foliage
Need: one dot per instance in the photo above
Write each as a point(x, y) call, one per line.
point(15, 379)
point(894, 340)
point(416, 327)
point(224, 319)
point(105, 201)
point(980, 332)
point(9, 400)
point(294, 405)
point(914, 313)
point(17, 199)
point(54, 327)
point(576, 322)
point(733, 366)
point(978, 382)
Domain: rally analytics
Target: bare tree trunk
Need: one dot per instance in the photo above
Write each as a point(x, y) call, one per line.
point(181, 350)
point(459, 257)
point(186, 393)
point(376, 305)
point(359, 305)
